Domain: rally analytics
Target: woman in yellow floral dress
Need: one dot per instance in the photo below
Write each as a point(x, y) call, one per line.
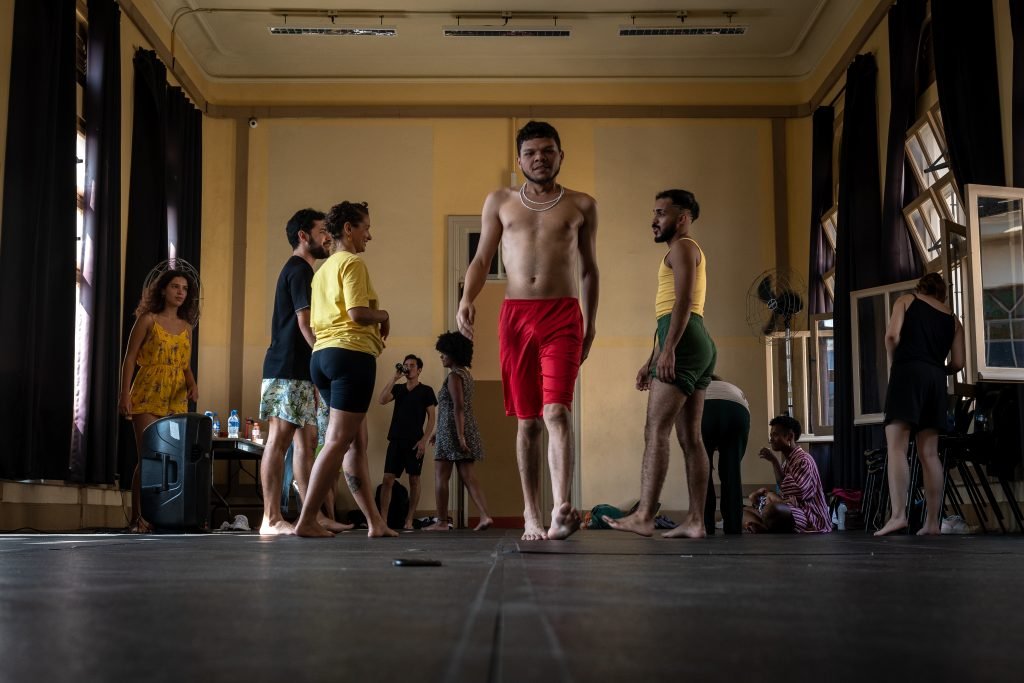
point(161, 345)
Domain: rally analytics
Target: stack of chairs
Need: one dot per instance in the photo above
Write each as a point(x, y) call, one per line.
point(977, 448)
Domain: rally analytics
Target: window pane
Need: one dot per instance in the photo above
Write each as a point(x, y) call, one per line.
point(80, 168)
point(474, 244)
point(826, 385)
point(929, 144)
point(952, 201)
point(1002, 280)
point(917, 158)
point(921, 232)
point(933, 219)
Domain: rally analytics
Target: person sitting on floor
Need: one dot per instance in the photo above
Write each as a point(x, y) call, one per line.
point(801, 508)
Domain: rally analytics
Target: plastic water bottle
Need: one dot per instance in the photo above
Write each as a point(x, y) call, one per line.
point(841, 515)
point(209, 414)
point(216, 426)
point(233, 425)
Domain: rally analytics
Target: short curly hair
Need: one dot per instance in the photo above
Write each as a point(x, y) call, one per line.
point(152, 300)
point(456, 347)
point(346, 212)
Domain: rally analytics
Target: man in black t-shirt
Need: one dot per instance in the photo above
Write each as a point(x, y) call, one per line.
point(407, 440)
point(288, 397)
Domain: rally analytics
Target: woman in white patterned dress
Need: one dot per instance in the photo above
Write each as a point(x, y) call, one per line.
point(457, 438)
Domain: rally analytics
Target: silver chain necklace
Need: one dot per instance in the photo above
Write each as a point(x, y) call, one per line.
point(539, 206)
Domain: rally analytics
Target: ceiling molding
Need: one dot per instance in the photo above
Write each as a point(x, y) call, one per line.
point(839, 70)
point(132, 12)
point(506, 111)
point(129, 10)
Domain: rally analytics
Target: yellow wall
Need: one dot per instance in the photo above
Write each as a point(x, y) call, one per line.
point(414, 174)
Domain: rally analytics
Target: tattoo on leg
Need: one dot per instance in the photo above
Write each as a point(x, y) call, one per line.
point(353, 482)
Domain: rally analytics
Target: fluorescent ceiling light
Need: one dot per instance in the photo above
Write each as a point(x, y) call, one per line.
point(643, 31)
point(381, 31)
point(506, 32)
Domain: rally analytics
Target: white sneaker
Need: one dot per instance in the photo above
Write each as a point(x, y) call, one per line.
point(955, 524)
point(241, 523)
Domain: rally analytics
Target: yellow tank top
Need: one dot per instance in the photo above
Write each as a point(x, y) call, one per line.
point(666, 297)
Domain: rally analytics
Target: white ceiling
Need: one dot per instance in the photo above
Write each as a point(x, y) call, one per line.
point(785, 39)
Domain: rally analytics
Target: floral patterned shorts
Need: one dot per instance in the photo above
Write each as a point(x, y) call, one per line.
point(323, 417)
point(292, 400)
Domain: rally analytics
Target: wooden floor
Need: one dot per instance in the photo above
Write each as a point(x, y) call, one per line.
point(602, 606)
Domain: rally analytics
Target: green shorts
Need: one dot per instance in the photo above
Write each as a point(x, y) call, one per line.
point(695, 354)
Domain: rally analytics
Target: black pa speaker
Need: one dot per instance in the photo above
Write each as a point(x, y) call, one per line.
point(177, 472)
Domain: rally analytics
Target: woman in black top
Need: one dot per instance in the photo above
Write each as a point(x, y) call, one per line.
point(922, 332)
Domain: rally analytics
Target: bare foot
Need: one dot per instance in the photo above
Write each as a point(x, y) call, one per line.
point(381, 532)
point(564, 523)
point(312, 530)
point(278, 528)
point(485, 523)
point(408, 526)
point(437, 526)
point(140, 526)
point(687, 530)
point(333, 526)
point(893, 525)
point(534, 532)
point(633, 522)
point(930, 530)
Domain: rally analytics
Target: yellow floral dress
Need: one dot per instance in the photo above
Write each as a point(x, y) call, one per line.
point(159, 387)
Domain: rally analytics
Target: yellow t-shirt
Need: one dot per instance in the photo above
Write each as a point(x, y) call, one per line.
point(666, 297)
point(343, 283)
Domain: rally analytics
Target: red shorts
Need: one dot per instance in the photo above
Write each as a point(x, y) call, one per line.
point(540, 344)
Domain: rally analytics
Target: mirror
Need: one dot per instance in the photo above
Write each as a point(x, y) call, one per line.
point(999, 245)
point(824, 368)
point(870, 310)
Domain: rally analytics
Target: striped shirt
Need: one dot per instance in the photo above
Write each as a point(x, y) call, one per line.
point(801, 487)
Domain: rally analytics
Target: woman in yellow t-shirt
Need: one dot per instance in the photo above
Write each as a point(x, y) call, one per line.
point(350, 330)
point(161, 345)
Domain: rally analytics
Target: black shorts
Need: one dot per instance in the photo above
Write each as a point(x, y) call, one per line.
point(345, 378)
point(402, 457)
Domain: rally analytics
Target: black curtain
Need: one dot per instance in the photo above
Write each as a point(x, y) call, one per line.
point(901, 260)
point(965, 73)
point(1017, 125)
point(164, 203)
point(858, 258)
point(94, 446)
point(38, 245)
point(822, 257)
point(146, 243)
point(185, 188)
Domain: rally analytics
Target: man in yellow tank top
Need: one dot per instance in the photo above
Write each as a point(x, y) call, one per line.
point(678, 371)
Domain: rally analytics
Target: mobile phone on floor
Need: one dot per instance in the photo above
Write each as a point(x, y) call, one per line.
point(415, 562)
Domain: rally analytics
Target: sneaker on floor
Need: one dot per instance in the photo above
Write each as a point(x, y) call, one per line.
point(241, 523)
point(955, 524)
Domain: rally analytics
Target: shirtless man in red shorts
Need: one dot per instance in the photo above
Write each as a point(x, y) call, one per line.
point(543, 334)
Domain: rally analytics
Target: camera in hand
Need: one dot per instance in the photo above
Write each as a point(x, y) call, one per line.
point(400, 367)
